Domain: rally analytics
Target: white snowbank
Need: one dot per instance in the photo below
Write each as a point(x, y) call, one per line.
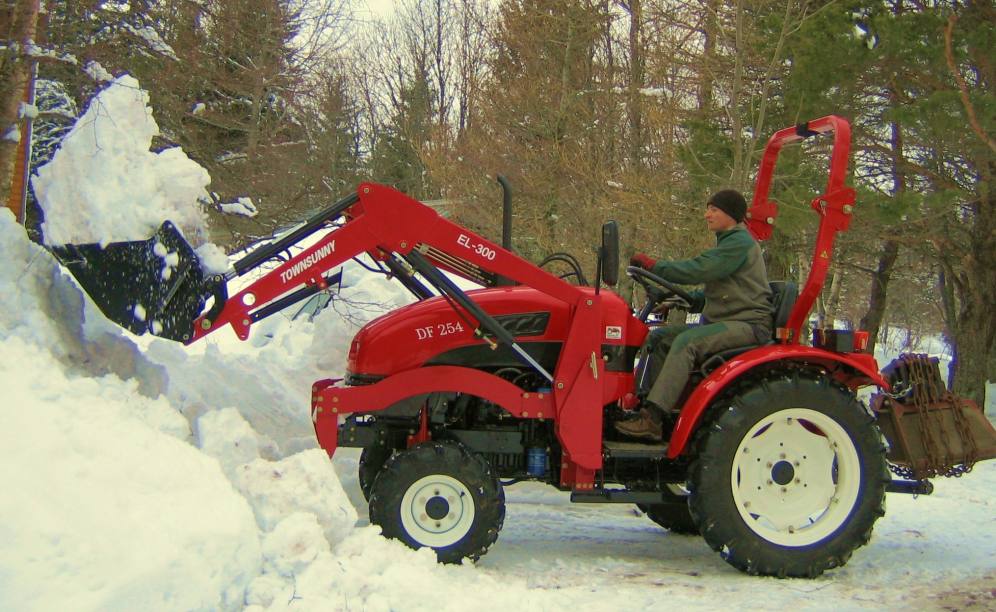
point(304, 482)
point(103, 506)
point(105, 185)
point(229, 438)
point(40, 303)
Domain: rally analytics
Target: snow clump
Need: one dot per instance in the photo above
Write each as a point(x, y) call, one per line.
point(104, 184)
point(106, 504)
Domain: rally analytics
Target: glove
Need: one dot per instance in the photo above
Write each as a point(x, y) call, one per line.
point(642, 260)
point(676, 301)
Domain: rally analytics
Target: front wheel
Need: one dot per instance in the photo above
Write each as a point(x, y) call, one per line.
point(440, 495)
point(789, 477)
point(372, 461)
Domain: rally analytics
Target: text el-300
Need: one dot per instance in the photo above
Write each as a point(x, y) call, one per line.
point(483, 250)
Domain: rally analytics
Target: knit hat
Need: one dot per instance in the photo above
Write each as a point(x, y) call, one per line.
point(731, 202)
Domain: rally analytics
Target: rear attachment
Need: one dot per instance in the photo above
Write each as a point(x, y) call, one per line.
point(931, 431)
point(153, 285)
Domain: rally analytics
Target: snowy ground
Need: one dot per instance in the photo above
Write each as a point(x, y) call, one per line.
point(142, 475)
point(610, 557)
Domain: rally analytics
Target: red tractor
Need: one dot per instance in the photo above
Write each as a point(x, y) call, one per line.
point(773, 459)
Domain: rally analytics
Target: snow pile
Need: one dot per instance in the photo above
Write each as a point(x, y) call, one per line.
point(268, 378)
point(112, 503)
point(41, 303)
point(227, 437)
point(135, 189)
point(304, 482)
point(105, 505)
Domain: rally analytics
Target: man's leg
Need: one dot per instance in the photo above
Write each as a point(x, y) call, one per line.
point(691, 348)
point(653, 353)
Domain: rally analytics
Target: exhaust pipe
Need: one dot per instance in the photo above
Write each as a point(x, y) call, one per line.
point(506, 213)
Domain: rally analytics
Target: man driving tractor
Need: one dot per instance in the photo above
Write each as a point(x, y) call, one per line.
point(735, 303)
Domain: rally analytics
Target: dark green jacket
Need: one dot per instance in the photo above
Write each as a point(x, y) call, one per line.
point(736, 282)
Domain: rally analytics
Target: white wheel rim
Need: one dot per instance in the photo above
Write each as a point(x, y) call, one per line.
point(437, 510)
point(796, 477)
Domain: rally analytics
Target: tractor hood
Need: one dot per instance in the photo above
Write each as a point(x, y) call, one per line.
point(431, 332)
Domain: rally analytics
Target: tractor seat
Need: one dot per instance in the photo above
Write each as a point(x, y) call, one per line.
point(783, 296)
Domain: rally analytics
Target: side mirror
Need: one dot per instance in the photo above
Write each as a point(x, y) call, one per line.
point(609, 253)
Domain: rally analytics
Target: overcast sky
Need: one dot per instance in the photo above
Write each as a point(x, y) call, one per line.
point(379, 8)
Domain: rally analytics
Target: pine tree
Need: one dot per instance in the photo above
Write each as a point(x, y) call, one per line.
point(540, 119)
point(396, 158)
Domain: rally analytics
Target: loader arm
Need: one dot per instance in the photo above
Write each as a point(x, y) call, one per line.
point(387, 225)
point(379, 221)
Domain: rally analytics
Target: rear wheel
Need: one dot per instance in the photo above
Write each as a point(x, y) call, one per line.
point(790, 477)
point(439, 495)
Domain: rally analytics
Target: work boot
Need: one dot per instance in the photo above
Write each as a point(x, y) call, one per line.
point(645, 426)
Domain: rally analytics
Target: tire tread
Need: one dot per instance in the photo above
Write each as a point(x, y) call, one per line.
point(451, 459)
point(740, 547)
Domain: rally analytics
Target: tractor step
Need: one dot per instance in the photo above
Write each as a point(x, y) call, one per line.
point(617, 496)
point(634, 450)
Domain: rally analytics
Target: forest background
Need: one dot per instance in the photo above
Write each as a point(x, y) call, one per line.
point(593, 109)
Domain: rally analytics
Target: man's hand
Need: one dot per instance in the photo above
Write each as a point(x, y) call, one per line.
point(676, 301)
point(642, 260)
point(670, 302)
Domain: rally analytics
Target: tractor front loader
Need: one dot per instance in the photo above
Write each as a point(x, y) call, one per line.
point(773, 459)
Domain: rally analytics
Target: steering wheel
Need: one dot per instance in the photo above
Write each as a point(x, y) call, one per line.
point(653, 285)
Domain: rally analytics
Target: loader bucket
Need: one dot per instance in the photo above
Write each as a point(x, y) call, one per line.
point(153, 285)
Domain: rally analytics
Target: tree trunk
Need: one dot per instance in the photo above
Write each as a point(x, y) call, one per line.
point(833, 300)
point(635, 85)
point(565, 85)
point(736, 124)
point(828, 302)
point(872, 321)
point(441, 71)
point(14, 74)
point(610, 72)
point(706, 72)
point(974, 328)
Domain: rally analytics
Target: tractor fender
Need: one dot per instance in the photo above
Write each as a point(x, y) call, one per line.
point(329, 400)
point(852, 369)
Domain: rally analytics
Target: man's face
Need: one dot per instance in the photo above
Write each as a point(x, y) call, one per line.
point(717, 220)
